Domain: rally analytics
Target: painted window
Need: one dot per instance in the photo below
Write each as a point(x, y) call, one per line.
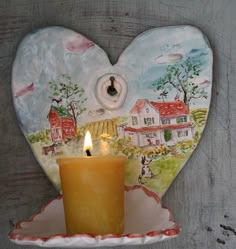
point(149, 121)
point(151, 135)
point(181, 119)
point(69, 130)
point(165, 121)
point(182, 133)
point(134, 120)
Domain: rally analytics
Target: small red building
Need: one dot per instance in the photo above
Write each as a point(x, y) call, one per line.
point(62, 124)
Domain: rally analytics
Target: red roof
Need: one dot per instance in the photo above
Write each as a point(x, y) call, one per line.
point(166, 109)
point(139, 105)
point(158, 127)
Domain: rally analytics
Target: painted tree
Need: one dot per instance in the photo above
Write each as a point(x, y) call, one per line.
point(181, 78)
point(69, 94)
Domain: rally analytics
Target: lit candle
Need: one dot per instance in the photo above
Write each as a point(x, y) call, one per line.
point(88, 145)
point(93, 193)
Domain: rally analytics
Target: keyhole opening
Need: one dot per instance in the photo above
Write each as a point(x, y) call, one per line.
point(111, 89)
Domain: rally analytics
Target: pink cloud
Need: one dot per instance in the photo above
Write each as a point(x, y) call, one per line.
point(77, 43)
point(201, 82)
point(25, 90)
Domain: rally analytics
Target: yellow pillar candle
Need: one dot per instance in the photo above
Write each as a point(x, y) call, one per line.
point(93, 194)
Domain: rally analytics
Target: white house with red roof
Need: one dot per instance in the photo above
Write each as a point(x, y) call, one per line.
point(153, 123)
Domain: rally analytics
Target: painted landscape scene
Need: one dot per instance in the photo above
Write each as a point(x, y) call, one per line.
point(158, 126)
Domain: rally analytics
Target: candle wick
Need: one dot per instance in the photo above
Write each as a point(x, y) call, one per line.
point(88, 152)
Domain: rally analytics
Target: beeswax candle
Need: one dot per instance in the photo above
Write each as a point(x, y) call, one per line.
point(93, 194)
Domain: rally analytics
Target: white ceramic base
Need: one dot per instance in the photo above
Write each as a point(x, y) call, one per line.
point(146, 221)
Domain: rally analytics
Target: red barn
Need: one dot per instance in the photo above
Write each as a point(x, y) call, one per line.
point(62, 124)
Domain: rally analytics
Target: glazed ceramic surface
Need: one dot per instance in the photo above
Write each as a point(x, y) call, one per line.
point(146, 221)
point(151, 106)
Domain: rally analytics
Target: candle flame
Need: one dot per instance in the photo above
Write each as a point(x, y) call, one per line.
point(88, 145)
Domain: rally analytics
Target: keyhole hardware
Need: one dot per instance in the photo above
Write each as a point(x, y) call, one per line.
point(111, 89)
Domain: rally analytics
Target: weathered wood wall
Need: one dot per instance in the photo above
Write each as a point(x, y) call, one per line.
point(203, 197)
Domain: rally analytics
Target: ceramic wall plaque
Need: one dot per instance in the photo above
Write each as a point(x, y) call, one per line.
point(151, 106)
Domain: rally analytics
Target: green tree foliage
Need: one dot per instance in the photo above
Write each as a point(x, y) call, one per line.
point(181, 77)
point(41, 136)
point(71, 94)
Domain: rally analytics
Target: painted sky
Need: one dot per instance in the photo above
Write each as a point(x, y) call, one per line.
point(48, 53)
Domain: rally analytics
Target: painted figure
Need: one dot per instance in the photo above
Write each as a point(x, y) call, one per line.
point(50, 148)
point(146, 172)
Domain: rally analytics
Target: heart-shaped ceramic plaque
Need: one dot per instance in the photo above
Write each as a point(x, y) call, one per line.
point(151, 106)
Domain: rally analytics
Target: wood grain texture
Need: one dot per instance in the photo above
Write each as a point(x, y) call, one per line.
point(203, 197)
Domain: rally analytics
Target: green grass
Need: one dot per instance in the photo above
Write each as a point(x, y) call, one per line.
point(166, 168)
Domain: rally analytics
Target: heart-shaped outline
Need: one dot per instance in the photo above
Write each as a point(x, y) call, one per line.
point(33, 53)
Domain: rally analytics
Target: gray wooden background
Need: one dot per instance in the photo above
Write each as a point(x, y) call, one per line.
point(203, 197)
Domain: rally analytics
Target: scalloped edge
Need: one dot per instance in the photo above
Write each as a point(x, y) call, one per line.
point(41, 241)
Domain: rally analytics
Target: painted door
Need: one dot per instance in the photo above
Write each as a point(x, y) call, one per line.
point(56, 134)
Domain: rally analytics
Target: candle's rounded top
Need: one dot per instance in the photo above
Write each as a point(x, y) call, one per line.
point(68, 160)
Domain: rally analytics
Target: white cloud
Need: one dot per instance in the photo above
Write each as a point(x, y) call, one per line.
point(169, 58)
